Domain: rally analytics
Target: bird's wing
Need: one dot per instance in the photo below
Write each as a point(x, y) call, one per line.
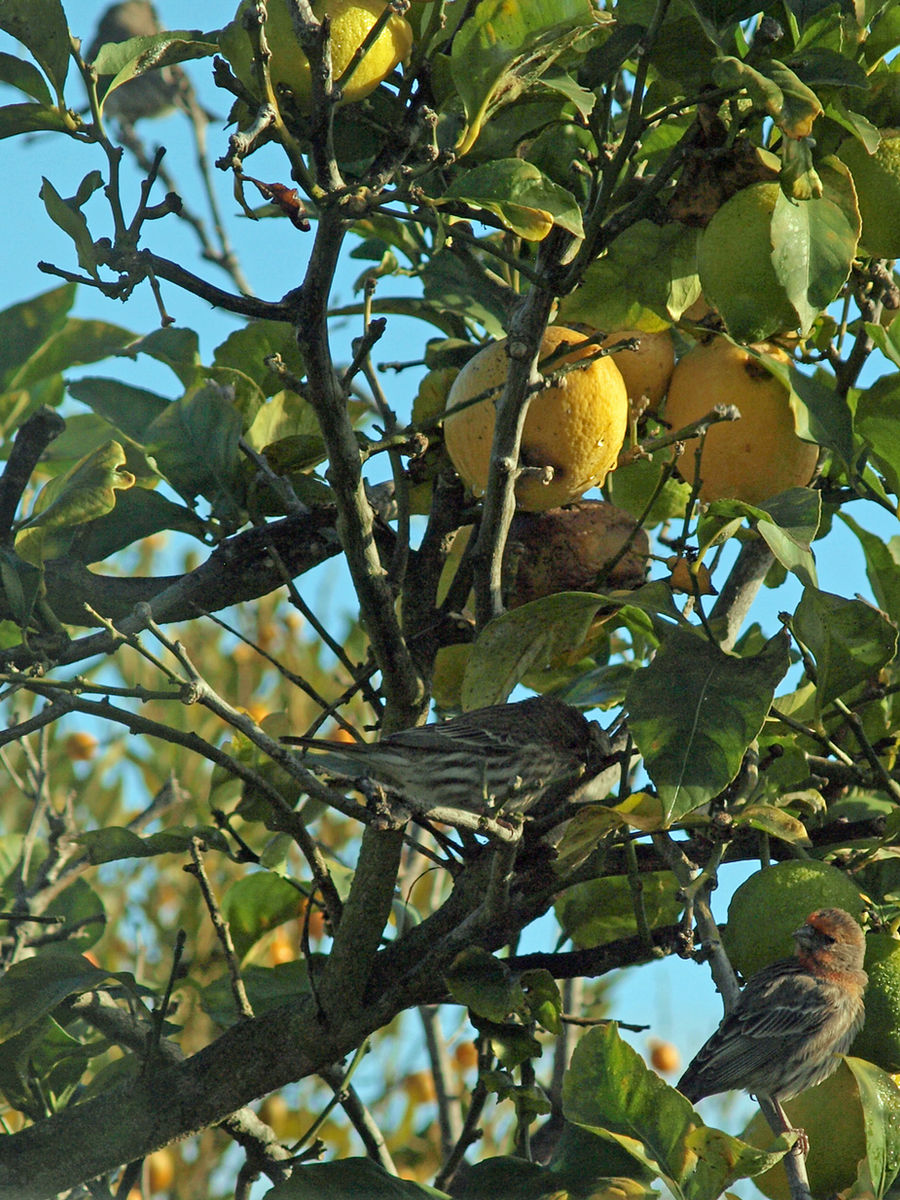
point(456, 734)
point(776, 1008)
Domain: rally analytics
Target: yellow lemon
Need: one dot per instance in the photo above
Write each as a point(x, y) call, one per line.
point(577, 426)
point(648, 369)
point(753, 458)
point(351, 21)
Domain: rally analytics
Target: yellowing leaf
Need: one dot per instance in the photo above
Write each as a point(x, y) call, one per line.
point(86, 491)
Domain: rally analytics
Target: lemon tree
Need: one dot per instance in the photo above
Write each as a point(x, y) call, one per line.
point(359, 448)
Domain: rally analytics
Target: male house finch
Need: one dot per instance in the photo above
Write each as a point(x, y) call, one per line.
point(793, 1019)
point(505, 756)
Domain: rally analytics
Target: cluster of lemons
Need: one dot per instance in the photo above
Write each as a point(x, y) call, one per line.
point(577, 423)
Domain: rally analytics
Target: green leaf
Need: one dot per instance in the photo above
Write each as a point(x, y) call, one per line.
point(86, 491)
point(646, 279)
point(77, 342)
point(128, 408)
point(349, 1179)
point(288, 418)
point(195, 443)
point(44, 1058)
point(178, 349)
point(27, 78)
point(20, 582)
point(820, 413)
point(880, 1098)
point(267, 988)
point(813, 246)
point(31, 118)
point(34, 987)
point(609, 1089)
point(524, 199)
point(543, 1000)
point(129, 59)
point(850, 641)
point(115, 842)
point(247, 348)
point(694, 711)
point(795, 517)
point(882, 566)
point(69, 217)
point(875, 420)
point(634, 485)
point(518, 641)
point(779, 92)
point(79, 905)
point(774, 821)
point(485, 985)
point(583, 1161)
point(788, 522)
point(25, 327)
point(734, 73)
point(503, 47)
point(799, 178)
point(139, 513)
point(602, 910)
point(257, 903)
point(800, 105)
point(453, 285)
point(41, 26)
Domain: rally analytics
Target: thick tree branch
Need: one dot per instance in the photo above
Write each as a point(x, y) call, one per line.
point(239, 569)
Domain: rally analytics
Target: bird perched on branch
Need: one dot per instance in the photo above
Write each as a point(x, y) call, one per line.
point(505, 756)
point(793, 1020)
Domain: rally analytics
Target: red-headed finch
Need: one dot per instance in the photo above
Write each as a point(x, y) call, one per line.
point(793, 1020)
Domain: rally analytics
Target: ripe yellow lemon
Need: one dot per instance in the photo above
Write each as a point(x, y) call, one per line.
point(753, 458)
point(734, 261)
point(877, 180)
point(767, 908)
point(832, 1115)
point(351, 21)
point(577, 426)
point(648, 369)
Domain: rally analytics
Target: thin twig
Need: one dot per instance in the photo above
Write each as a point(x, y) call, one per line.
point(223, 933)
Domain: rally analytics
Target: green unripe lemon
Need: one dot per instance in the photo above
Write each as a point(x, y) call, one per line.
point(351, 21)
point(832, 1115)
point(877, 180)
point(734, 261)
point(767, 908)
point(879, 1038)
